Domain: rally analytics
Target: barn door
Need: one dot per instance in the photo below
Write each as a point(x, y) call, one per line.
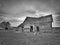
point(37, 28)
point(31, 28)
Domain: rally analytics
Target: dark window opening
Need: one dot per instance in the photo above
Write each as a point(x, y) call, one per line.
point(6, 28)
point(37, 28)
point(31, 28)
point(16, 30)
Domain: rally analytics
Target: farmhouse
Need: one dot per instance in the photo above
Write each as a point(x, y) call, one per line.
point(37, 24)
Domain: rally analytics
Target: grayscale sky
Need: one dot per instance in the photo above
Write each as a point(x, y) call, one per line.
point(15, 11)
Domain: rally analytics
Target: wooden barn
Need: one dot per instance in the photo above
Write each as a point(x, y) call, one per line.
point(37, 24)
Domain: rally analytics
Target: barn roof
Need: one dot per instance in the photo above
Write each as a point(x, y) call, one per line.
point(34, 19)
point(20, 25)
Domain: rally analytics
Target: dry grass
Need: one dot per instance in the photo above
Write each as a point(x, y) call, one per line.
point(12, 38)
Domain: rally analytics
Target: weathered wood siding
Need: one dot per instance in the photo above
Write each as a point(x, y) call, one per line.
point(44, 23)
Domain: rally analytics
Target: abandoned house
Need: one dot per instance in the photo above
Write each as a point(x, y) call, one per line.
point(32, 24)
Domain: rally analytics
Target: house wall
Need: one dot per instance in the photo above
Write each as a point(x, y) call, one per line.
point(27, 27)
point(42, 26)
point(47, 25)
point(44, 23)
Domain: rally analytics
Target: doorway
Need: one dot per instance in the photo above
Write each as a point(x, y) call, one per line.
point(6, 28)
point(31, 28)
point(37, 28)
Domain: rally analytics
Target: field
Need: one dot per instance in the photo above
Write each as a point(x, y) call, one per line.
point(12, 38)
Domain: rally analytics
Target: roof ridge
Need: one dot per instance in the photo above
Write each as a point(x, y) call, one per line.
point(40, 17)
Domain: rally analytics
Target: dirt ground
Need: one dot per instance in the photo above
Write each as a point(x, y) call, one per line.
point(11, 38)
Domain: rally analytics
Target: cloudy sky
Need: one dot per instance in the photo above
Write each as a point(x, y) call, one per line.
point(15, 11)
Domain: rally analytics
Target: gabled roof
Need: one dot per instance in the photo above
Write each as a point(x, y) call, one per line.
point(20, 25)
point(39, 17)
point(43, 18)
point(34, 19)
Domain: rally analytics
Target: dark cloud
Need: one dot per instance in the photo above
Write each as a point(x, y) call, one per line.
point(19, 8)
point(2, 12)
point(57, 13)
point(31, 12)
point(56, 6)
point(58, 18)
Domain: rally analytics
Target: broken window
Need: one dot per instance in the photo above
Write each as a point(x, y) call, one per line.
point(6, 28)
point(31, 28)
